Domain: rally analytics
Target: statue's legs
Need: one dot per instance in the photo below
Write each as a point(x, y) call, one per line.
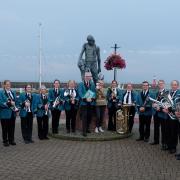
point(92, 66)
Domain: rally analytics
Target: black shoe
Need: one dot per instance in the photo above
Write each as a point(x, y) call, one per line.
point(164, 147)
point(172, 151)
point(26, 142)
point(154, 143)
point(68, 131)
point(139, 139)
point(12, 143)
point(41, 138)
point(31, 141)
point(84, 134)
point(146, 140)
point(46, 138)
point(73, 131)
point(6, 144)
point(88, 131)
point(178, 157)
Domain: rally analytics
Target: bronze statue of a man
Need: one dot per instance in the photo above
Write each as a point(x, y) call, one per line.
point(92, 61)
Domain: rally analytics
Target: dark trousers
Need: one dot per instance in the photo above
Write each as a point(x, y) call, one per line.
point(27, 126)
point(144, 126)
point(112, 118)
point(157, 123)
point(8, 128)
point(55, 120)
point(43, 126)
point(100, 111)
point(131, 118)
point(164, 132)
point(86, 115)
point(172, 133)
point(71, 119)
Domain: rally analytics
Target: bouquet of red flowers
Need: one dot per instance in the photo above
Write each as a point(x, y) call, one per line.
point(114, 61)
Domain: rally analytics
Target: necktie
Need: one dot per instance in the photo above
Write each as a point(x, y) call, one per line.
point(87, 83)
point(127, 98)
point(172, 93)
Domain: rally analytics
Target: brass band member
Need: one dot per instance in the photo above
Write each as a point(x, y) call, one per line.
point(172, 125)
point(129, 98)
point(160, 118)
point(42, 113)
point(27, 102)
point(113, 97)
point(87, 95)
point(100, 105)
point(55, 97)
point(145, 112)
point(71, 105)
point(8, 113)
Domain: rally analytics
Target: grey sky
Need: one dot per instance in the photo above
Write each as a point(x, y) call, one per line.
point(147, 31)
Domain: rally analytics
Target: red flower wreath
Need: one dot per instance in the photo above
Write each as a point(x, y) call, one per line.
point(114, 61)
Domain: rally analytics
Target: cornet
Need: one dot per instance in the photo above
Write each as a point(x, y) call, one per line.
point(13, 107)
point(28, 108)
point(56, 101)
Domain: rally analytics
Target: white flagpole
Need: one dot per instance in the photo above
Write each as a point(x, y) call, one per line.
point(40, 54)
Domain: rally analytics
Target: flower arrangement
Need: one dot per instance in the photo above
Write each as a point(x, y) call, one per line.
point(114, 61)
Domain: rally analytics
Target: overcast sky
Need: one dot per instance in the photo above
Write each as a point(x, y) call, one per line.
point(147, 31)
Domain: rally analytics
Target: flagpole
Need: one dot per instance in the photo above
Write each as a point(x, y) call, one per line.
point(40, 54)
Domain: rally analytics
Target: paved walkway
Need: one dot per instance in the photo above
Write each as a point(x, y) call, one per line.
point(54, 159)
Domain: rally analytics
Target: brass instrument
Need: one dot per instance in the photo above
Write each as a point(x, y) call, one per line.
point(13, 107)
point(56, 101)
point(122, 119)
point(28, 108)
point(167, 103)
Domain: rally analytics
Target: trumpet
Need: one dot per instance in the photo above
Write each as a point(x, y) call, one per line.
point(13, 107)
point(28, 108)
point(56, 102)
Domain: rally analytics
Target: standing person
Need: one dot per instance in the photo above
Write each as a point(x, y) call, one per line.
point(100, 105)
point(28, 108)
point(129, 98)
point(42, 113)
point(114, 97)
point(145, 112)
point(71, 105)
point(172, 124)
point(8, 111)
point(160, 118)
point(55, 97)
point(87, 95)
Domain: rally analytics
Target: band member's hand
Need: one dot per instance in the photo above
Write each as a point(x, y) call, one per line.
point(89, 100)
point(72, 101)
point(12, 103)
point(46, 107)
point(142, 109)
point(27, 104)
point(154, 105)
point(119, 104)
point(165, 110)
point(177, 114)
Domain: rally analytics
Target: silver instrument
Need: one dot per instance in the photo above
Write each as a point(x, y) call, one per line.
point(166, 103)
point(55, 102)
point(13, 107)
point(28, 108)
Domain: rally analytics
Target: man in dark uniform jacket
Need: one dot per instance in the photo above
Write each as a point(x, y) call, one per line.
point(129, 98)
point(160, 118)
point(172, 124)
point(145, 112)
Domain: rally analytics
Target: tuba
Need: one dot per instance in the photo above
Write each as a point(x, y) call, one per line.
point(122, 119)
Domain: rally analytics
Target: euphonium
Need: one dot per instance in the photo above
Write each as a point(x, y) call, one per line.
point(122, 118)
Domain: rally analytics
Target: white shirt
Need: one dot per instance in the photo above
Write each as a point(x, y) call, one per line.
point(114, 90)
point(10, 94)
